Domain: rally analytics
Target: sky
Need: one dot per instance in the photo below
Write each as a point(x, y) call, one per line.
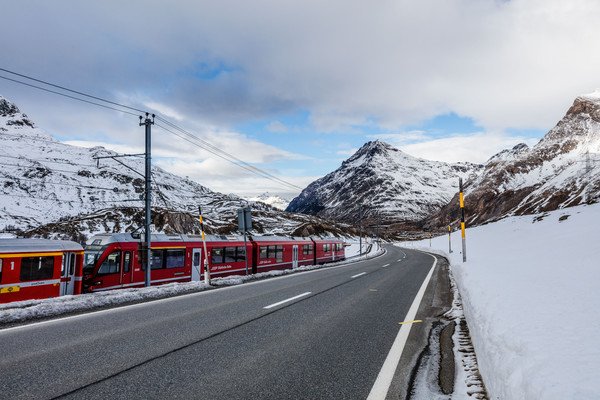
point(296, 87)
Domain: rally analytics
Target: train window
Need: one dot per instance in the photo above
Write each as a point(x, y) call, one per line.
point(127, 262)
point(217, 256)
point(264, 252)
point(307, 249)
point(72, 265)
point(326, 248)
point(111, 264)
point(157, 259)
point(175, 258)
point(279, 253)
point(35, 268)
point(63, 269)
point(241, 254)
point(196, 261)
point(230, 254)
point(0, 270)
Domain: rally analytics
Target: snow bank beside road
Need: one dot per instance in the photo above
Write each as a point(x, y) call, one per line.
point(531, 295)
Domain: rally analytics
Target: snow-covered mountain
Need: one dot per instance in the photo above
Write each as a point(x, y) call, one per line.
point(271, 199)
point(387, 183)
point(51, 188)
point(562, 170)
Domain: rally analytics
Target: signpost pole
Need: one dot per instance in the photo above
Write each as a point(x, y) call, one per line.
point(206, 266)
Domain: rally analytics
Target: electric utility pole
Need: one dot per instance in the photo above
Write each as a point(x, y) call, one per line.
point(148, 176)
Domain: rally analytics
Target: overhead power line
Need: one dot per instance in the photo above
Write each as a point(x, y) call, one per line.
point(66, 95)
point(184, 134)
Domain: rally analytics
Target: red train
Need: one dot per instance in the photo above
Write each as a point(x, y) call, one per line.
point(40, 268)
point(114, 261)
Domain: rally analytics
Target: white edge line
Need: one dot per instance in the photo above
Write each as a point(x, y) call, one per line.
point(386, 374)
point(286, 300)
point(357, 275)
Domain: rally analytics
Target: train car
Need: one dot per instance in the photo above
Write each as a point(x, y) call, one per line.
point(39, 269)
point(328, 250)
point(227, 255)
point(115, 261)
point(275, 252)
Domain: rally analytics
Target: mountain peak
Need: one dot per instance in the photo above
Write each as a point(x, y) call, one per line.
point(385, 183)
point(376, 146)
point(508, 153)
point(13, 115)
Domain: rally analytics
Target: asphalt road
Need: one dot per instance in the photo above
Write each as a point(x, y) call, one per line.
point(242, 342)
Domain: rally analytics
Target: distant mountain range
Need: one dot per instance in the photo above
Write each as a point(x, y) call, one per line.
point(53, 189)
point(405, 192)
point(561, 170)
point(271, 199)
point(49, 188)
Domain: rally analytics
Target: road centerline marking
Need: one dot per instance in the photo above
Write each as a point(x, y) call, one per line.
point(386, 265)
point(286, 300)
point(357, 275)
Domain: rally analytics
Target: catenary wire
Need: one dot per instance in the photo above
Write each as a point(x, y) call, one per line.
point(205, 145)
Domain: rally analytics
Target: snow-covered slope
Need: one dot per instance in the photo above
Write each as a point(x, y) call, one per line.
point(50, 188)
point(531, 294)
point(562, 170)
point(271, 199)
point(385, 182)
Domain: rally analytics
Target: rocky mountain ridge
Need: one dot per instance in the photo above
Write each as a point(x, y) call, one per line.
point(388, 184)
point(561, 170)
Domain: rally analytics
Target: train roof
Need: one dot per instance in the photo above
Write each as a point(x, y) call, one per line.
point(275, 238)
point(37, 245)
point(107, 238)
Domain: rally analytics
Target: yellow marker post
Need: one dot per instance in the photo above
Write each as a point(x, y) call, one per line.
point(462, 220)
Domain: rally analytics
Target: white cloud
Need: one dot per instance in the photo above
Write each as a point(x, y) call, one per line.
point(351, 65)
point(475, 148)
point(512, 63)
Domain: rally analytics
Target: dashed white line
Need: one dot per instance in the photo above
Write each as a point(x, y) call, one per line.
point(361, 274)
point(386, 265)
point(286, 300)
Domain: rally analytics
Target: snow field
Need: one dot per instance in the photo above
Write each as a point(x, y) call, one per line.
point(531, 295)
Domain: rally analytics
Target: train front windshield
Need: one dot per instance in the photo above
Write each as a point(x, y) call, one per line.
point(90, 257)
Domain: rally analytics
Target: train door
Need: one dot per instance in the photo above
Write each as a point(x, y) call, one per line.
point(332, 251)
point(196, 264)
point(295, 256)
point(127, 270)
point(67, 274)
